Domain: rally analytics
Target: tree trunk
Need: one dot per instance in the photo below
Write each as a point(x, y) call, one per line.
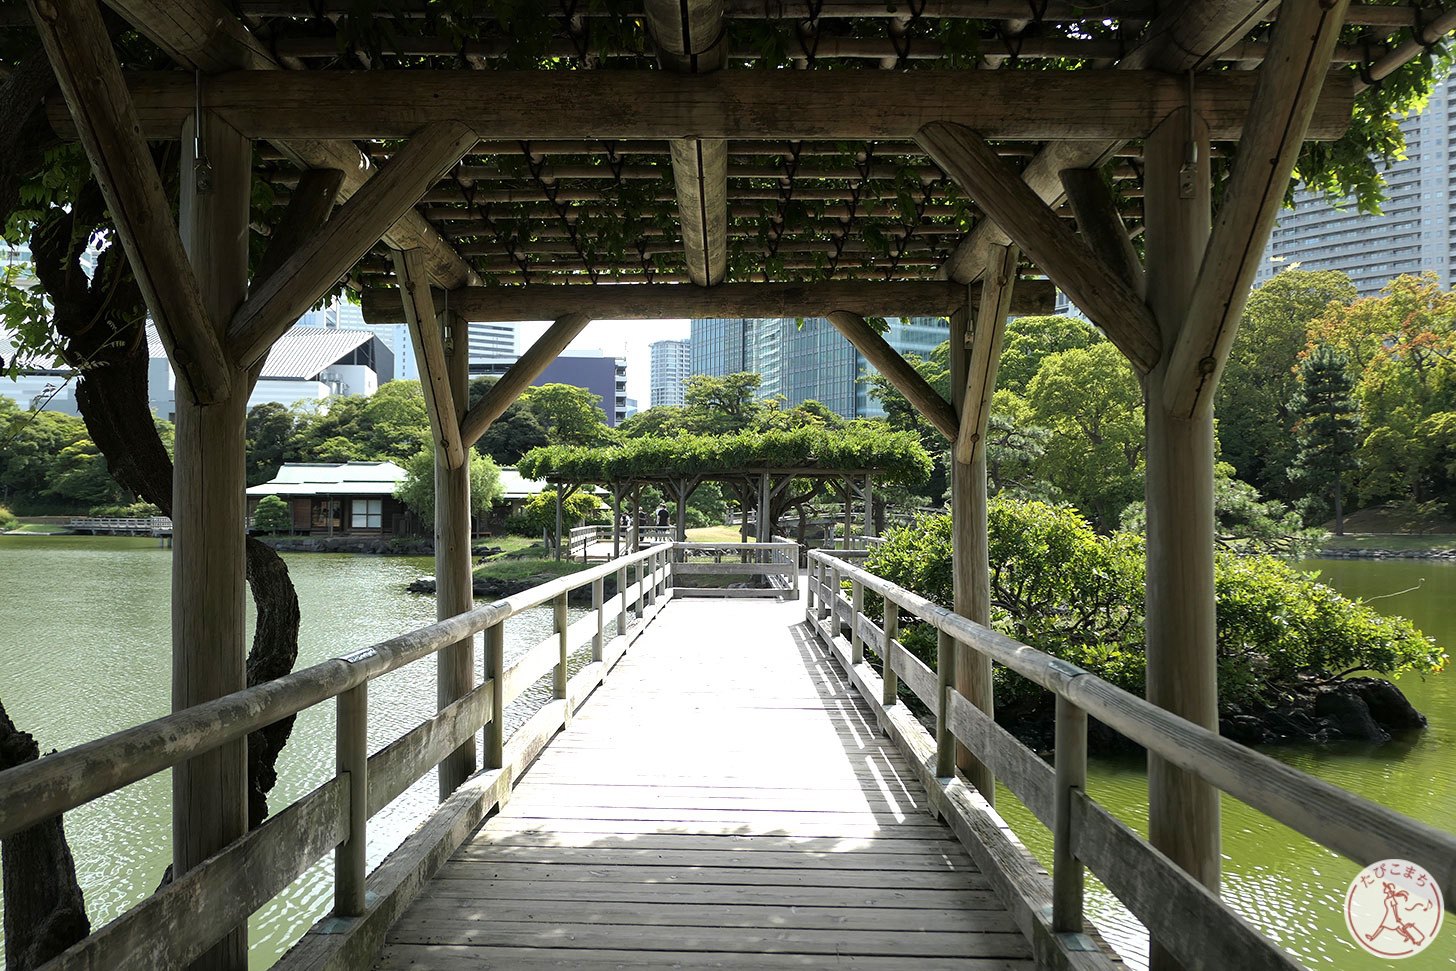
point(45, 911)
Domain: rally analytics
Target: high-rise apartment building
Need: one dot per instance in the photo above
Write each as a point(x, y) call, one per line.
point(799, 363)
point(492, 342)
point(1415, 232)
point(671, 364)
point(604, 376)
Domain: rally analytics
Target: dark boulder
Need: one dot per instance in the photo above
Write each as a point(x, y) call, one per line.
point(1342, 708)
point(1388, 705)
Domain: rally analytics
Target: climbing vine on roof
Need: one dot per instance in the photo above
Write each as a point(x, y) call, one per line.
point(893, 457)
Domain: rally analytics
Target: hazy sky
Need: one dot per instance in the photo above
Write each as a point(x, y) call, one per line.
point(619, 338)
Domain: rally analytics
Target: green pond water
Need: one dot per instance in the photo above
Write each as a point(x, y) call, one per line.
point(84, 650)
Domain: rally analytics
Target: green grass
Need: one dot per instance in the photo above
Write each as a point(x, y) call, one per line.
point(715, 534)
point(510, 545)
point(1391, 541)
point(524, 568)
point(38, 529)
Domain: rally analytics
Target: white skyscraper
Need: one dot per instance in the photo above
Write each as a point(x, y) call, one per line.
point(671, 364)
point(492, 342)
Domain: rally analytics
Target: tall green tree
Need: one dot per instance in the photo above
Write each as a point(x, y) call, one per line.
point(1327, 427)
point(722, 405)
point(1252, 405)
point(417, 491)
point(570, 415)
point(269, 431)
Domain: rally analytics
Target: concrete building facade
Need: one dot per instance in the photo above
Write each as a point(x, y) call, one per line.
point(603, 376)
point(1416, 230)
point(672, 363)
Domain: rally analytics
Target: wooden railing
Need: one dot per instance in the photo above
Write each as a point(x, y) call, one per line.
point(1181, 915)
point(777, 562)
point(581, 539)
point(179, 923)
point(144, 525)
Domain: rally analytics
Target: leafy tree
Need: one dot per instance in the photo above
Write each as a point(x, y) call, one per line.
point(1092, 406)
point(270, 428)
point(663, 420)
point(30, 460)
point(1244, 519)
point(80, 475)
point(539, 512)
point(390, 424)
point(1015, 445)
point(570, 415)
point(512, 435)
point(7, 519)
point(1062, 588)
point(806, 414)
point(1030, 340)
point(1327, 426)
point(721, 405)
point(1258, 382)
point(417, 491)
point(272, 515)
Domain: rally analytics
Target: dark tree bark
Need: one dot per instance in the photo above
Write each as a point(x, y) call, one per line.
point(45, 911)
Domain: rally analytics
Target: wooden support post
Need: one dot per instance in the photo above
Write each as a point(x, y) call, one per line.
point(1071, 777)
point(891, 682)
point(945, 744)
point(622, 602)
point(1181, 638)
point(1101, 225)
point(86, 69)
point(495, 666)
point(429, 344)
point(560, 525)
point(599, 606)
point(970, 572)
point(683, 488)
point(848, 487)
point(209, 608)
point(856, 642)
point(351, 758)
point(1085, 277)
point(559, 623)
point(869, 506)
point(616, 521)
point(635, 527)
point(454, 579)
point(893, 366)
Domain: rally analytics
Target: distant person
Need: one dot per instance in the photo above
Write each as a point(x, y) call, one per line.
point(662, 517)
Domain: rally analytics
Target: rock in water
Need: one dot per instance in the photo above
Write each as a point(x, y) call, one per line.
point(1388, 705)
point(1344, 710)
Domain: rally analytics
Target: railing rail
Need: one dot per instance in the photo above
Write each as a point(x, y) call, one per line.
point(776, 561)
point(181, 921)
point(1180, 914)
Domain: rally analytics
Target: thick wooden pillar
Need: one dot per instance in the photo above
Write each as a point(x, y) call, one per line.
point(616, 520)
point(1181, 647)
point(454, 593)
point(683, 489)
point(209, 618)
point(762, 531)
point(972, 585)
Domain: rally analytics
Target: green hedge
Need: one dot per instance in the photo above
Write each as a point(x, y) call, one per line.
point(1064, 589)
point(895, 457)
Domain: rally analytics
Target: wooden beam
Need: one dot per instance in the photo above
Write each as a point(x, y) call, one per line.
point(688, 36)
point(429, 344)
point(205, 36)
point(998, 189)
point(1101, 225)
point(518, 376)
point(1289, 84)
point(85, 65)
point(309, 207)
point(1184, 34)
point(985, 356)
point(339, 243)
point(905, 378)
point(652, 301)
point(750, 105)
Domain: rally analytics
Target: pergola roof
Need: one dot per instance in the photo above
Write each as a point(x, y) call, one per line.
point(589, 165)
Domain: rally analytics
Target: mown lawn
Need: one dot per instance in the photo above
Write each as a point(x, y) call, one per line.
point(1391, 541)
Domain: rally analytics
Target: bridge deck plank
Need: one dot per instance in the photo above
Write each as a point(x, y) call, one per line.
point(726, 801)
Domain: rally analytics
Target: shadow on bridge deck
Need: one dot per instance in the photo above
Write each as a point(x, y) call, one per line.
point(725, 800)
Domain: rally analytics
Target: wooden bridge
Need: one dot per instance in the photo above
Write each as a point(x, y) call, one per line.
point(724, 784)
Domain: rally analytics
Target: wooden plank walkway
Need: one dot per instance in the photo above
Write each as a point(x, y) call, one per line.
point(724, 801)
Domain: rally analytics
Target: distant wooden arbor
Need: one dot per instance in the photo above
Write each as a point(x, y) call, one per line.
point(451, 190)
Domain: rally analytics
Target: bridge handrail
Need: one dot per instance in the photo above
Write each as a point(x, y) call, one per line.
point(1083, 832)
point(776, 559)
point(61, 782)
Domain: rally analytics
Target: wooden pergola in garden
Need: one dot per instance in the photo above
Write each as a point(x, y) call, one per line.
point(708, 158)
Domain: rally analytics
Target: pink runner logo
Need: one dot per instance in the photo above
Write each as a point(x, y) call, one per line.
point(1394, 909)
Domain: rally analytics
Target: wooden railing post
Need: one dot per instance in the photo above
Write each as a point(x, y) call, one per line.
point(495, 666)
point(809, 606)
point(891, 691)
point(833, 600)
point(559, 624)
point(856, 642)
point(1071, 776)
point(622, 602)
point(351, 758)
point(599, 638)
point(945, 662)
